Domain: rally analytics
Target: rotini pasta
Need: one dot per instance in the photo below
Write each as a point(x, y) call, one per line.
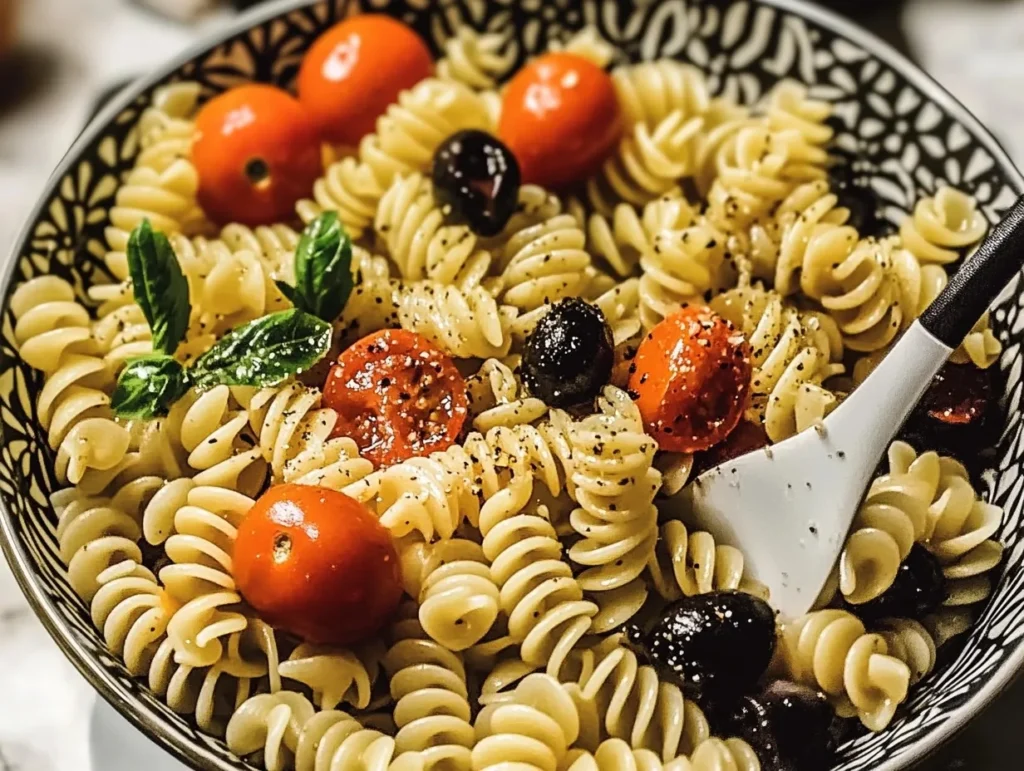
point(831, 650)
point(615, 483)
point(943, 225)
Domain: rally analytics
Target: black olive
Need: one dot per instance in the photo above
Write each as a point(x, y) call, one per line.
point(790, 727)
point(715, 645)
point(851, 187)
point(476, 181)
point(919, 589)
point(569, 354)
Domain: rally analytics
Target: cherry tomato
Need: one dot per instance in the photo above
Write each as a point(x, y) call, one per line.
point(397, 396)
point(355, 70)
point(561, 118)
point(257, 153)
point(318, 564)
point(691, 379)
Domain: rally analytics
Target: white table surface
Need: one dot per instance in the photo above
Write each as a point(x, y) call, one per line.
point(974, 47)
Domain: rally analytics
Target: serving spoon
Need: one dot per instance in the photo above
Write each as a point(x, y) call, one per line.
point(789, 507)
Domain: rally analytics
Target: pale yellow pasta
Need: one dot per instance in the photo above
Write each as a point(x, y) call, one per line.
point(458, 596)
point(615, 483)
point(413, 227)
point(647, 163)
point(465, 323)
point(831, 650)
point(792, 356)
point(943, 225)
point(650, 91)
point(688, 563)
point(333, 675)
point(496, 398)
point(475, 60)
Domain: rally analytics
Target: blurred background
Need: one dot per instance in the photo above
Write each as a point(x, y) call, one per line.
point(59, 60)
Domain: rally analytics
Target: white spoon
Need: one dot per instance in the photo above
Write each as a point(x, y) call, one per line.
point(789, 507)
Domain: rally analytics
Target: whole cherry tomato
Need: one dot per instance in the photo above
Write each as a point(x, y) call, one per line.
point(397, 396)
point(691, 379)
point(561, 118)
point(257, 152)
point(318, 564)
point(355, 70)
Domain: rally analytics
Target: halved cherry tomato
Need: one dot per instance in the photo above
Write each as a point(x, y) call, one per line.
point(691, 379)
point(318, 564)
point(561, 118)
point(397, 396)
point(355, 70)
point(257, 152)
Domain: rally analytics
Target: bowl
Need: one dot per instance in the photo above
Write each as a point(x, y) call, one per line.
point(908, 133)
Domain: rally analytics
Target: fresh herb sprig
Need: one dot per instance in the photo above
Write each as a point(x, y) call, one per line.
point(323, 269)
point(263, 352)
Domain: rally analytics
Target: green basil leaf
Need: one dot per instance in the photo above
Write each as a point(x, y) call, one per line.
point(265, 351)
point(159, 285)
point(323, 268)
point(148, 386)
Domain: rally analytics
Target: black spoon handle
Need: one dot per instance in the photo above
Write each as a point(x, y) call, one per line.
point(980, 279)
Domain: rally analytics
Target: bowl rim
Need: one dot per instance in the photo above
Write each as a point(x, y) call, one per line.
point(201, 756)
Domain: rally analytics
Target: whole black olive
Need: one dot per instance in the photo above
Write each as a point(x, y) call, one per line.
point(476, 180)
point(569, 354)
point(715, 646)
point(919, 589)
point(790, 727)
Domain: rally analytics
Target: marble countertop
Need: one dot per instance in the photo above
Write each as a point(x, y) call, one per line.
point(974, 47)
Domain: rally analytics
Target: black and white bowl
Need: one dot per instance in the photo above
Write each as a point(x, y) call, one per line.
point(907, 132)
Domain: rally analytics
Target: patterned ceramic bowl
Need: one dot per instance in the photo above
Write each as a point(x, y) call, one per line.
point(908, 133)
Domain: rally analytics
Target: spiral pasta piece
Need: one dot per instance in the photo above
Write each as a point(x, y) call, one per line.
point(647, 163)
point(911, 643)
point(475, 60)
point(465, 323)
point(333, 675)
point(636, 706)
point(756, 170)
point(496, 398)
point(200, 577)
point(792, 357)
point(349, 188)
point(213, 693)
point(541, 264)
point(686, 564)
point(615, 483)
point(927, 499)
point(428, 684)
point(162, 185)
point(830, 650)
point(98, 532)
point(533, 729)
point(943, 225)
point(791, 108)
point(650, 91)
point(413, 227)
point(458, 597)
point(546, 612)
point(685, 259)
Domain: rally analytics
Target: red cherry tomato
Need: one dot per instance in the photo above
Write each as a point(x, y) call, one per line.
point(561, 118)
point(318, 564)
point(397, 396)
point(257, 153)
point(355, 70)
point(691, 379)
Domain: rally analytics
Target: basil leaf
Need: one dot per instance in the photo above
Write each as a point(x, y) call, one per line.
point(265, 351)
point(323, 268)
point(148, 386)
point(159, 285)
